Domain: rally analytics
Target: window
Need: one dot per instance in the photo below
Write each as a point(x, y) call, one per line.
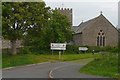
point(98, 41)
point(104, 41)
point(100, 30)
point(100, 38)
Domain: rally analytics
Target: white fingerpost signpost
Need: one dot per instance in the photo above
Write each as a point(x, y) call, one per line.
point(83, 48)
point(58, 46)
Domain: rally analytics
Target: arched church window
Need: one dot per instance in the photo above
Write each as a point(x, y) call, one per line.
point(103, 40)
point(98, 41)
point(100, 30)
point(100, 38)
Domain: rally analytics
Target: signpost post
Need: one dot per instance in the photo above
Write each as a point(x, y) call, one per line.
point(58, 46)
point(59, 54)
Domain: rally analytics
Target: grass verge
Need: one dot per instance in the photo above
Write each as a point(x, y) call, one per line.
point(105, 65)
point(24, 59)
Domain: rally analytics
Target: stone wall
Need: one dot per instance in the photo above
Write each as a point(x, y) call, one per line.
point(7, 44)
point(77, 39)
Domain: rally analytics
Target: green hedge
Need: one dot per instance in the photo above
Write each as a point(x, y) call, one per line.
point(104, 49)
point(72, 49)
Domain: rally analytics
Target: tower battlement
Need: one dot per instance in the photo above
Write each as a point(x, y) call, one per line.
point(67, 12)
point(69, 9)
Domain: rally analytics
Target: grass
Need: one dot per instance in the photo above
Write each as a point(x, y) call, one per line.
point(71, 57)
point(24, 59)
point(105, 65)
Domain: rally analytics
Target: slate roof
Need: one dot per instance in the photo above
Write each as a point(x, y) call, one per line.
point(83, 25)
point(75, 28)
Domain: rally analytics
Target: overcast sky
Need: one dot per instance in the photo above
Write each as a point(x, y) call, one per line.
point(84, 10)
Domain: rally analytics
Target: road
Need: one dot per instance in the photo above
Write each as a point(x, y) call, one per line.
point(48, 69)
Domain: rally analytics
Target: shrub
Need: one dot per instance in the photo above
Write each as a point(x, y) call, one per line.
point(24, 50)
point(72, 49)
point(103, 49)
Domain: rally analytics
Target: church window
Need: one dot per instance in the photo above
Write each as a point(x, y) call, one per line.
point(100, 30)
point(103, 41)
point(100, 38)
point(98, 41)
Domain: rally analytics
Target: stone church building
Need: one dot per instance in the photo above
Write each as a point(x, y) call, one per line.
point(94, 32)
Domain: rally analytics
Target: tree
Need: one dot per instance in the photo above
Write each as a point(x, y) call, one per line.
point(56, 28)
point(21, 18)
point(13, 22)
point(59, 29)
point(39, 20)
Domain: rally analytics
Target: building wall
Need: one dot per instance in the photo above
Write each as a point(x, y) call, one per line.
point(90, 33)
point(77, 38)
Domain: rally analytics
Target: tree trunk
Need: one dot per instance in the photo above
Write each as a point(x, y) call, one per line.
point(13, 47)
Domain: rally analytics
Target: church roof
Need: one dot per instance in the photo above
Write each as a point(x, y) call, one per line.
point(75, 28)
point(83, 25)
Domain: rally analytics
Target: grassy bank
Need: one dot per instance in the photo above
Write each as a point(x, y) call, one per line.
point(24, 59)
point(105, 65)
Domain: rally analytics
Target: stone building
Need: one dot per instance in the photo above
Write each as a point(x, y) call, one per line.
point(96, 32)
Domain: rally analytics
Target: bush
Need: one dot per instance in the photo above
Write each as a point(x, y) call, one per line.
point(72, 49)
point(5, 51)
point(39, 50)
point(24, 50)
point(103, 49)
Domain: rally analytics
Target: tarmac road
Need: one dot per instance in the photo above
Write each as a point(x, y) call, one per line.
point(34, 71)
point(49, 70)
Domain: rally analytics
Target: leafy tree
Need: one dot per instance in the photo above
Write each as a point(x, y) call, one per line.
point(13, 22)
point(22, 18)
point(34, 22)
point(56, 28)
point(39, 19)
point(59, 29)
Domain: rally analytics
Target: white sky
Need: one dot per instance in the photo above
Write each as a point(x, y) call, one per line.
point(85, 10)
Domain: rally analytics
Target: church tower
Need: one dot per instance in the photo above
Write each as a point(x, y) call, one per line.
point(67, 12)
